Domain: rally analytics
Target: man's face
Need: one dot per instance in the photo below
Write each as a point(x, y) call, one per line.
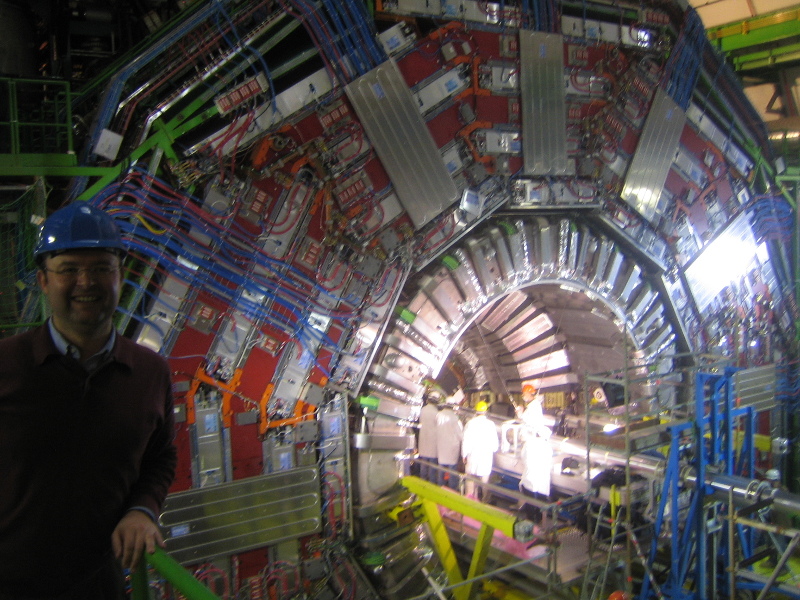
point(83, 288)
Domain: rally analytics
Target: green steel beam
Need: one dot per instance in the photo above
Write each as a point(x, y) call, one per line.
point(160, 139)
point(173, 572)
point(755, 31)
point(441, 541)
point(490, 517)
point(478, 563)
point(790, 174)
point(766, 58)
point(485, 513)
point(45, 165)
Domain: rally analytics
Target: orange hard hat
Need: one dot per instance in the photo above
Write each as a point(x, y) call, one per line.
point(528, 389)
point(618, 595)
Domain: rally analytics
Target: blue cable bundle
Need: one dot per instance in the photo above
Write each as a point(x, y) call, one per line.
point(164, 228)
point(683, 67)
point(772, 218)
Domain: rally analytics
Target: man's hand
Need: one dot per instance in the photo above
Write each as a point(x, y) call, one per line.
point(135, 533)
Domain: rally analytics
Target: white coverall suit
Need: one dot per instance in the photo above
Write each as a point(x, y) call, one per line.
point(537, 455)
point(426, 443)
point(480, 443)
point(449, 432)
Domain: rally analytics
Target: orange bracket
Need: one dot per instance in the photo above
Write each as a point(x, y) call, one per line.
point(263, 420)
point(228, 390)
point(302, 412)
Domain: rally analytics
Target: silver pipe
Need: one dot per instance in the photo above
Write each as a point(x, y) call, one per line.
point(746, 491)
point(641, 463)
point(785, 502)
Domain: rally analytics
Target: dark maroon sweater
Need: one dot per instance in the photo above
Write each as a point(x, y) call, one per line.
point(76, 452)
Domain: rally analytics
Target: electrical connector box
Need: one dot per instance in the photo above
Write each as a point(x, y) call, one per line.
point(397, 38)
point(306, 431)
point(449, 51)
point(108, 144)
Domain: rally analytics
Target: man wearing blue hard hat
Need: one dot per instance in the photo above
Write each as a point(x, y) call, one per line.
point(86, 426)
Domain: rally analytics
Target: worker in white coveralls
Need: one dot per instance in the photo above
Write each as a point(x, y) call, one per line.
point(426, 442)
point(480, 443)
point(449, 433)
point(537, 453)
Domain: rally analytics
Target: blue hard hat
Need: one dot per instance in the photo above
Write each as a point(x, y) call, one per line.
point(78, 225)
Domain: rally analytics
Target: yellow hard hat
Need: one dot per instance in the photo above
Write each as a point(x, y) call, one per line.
point(481, 406)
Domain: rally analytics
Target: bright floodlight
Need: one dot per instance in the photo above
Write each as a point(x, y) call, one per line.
point(724, 261)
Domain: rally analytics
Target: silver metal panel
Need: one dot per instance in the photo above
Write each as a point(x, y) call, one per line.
point(537, 348)
point(243, 515)
point(632, 280)
point(383, 389)
point(210, 447)
point(587, 249)
point(601, 261)
point(527, 313)
point(547, 246)
point(575, 238)
point(468, 283)
point(493, 319)
point(419, 6)
point(544, 112)
point(390, 117)
point(657, 335)
point(544, 364)
point(663, 338)
point(421, 304)
point(405, 365)
point(756, 386)
point(528, 332)
point(466, 276)
point(444, 293)
point(484, 260)
point(427, 319)
point(367, 441)
point(404, 329)
point(398, 410)
point(594, 31)
point(429, 332)
point(522, 250)
point(650, 318)
point(641, 302)
point(397, 380)
point(503, 255)
point(407, 345)
point(613, 269)
point(563, 245)
point(668, 348)
point(653, 158)
point(165, 312)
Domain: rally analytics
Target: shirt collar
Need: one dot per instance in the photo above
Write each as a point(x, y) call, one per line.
point(67, 349)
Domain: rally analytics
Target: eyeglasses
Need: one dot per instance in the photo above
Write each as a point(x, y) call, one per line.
point(96, 271)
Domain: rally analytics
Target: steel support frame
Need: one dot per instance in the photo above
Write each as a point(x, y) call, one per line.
point(491, 518)
point(713, 433)
point(755, 31)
